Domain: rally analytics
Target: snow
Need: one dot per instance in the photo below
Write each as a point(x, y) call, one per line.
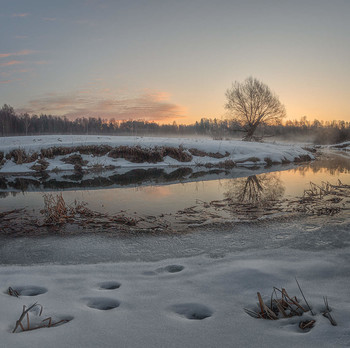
point(186, 290)
point(156, 304)
point(180, 290)
point(239, 152)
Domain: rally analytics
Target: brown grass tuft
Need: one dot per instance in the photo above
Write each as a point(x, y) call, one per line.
point(199, 153)
point(74, 159)
point(136, 154)
point(40, 166)
point(177, 153)
point(302, 158)
point(20, 156)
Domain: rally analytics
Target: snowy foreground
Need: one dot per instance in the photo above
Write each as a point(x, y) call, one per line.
point(241, 153)
point(155, 302)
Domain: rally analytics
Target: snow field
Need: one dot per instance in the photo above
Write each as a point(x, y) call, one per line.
point(242, 153)
point(192, 302)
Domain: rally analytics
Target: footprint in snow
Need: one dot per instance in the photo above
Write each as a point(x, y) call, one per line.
point(102, 303)
point(109, 285)
point(192, 311)
point(171, 269)
point(28, 290)
point(167, 269)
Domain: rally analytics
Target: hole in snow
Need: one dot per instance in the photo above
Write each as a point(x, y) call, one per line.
point(174, 268)
point(29, 290)
point(193, 311)
point(171, 269)
point(102, 303)
point(110, 285)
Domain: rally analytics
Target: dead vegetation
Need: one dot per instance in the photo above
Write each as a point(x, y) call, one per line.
point(199, 153)
point(35, 311)
point(281, 306)
point(95, 150)
point(40, 166)
point(13, 292)
point(137, 154)
point(250, 159)
point(75, 159)
point(228, 164)
point(262, 196)
point(20, 156)
point(324, 199)
point(57, 213)
point(302, 158)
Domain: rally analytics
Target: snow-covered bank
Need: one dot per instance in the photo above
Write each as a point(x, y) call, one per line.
point(154, 301)
point(120, 152)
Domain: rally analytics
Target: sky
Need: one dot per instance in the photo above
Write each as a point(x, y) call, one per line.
point(172, 60)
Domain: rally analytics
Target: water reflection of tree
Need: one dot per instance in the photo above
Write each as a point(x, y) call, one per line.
point(257, 190)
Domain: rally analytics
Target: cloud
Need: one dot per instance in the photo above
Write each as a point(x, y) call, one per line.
point(12, 62)
point(20, 53)
point(151, 106)
point(49, 19)
point(20, 15)
point(41, 62)
point(5, 81)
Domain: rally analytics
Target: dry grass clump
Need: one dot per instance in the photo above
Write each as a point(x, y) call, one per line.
point(177, 153)
point(35, 309)
point(285, 160)
point(40, 166)
point(56, 212)
point(74, 159)
point(250, 159)
point(52, 152)
point(96, 150)
point(55, 209)
point(323, 199)
point(12, 292)
point(228, 164)
point(302, 158)
point(199, 153)
point(136, 154)
point(281, 305)
point(20, 156)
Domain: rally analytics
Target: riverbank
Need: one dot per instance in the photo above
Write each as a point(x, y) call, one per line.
point(81, 153)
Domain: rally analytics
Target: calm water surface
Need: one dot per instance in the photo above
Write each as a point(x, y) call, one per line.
point(326, 232)
point(156, 199)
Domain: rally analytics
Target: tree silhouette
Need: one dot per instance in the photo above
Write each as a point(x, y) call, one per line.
point(253, 103)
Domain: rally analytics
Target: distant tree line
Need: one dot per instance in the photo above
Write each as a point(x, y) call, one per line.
point(13, 124)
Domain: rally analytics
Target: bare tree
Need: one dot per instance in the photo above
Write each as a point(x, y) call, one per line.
point(26, 121)
point(252, 103)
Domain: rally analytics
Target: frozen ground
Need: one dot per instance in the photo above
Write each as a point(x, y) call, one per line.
point(242, 153)
point(156, 301)
point(192, 296)
point(183, 289)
